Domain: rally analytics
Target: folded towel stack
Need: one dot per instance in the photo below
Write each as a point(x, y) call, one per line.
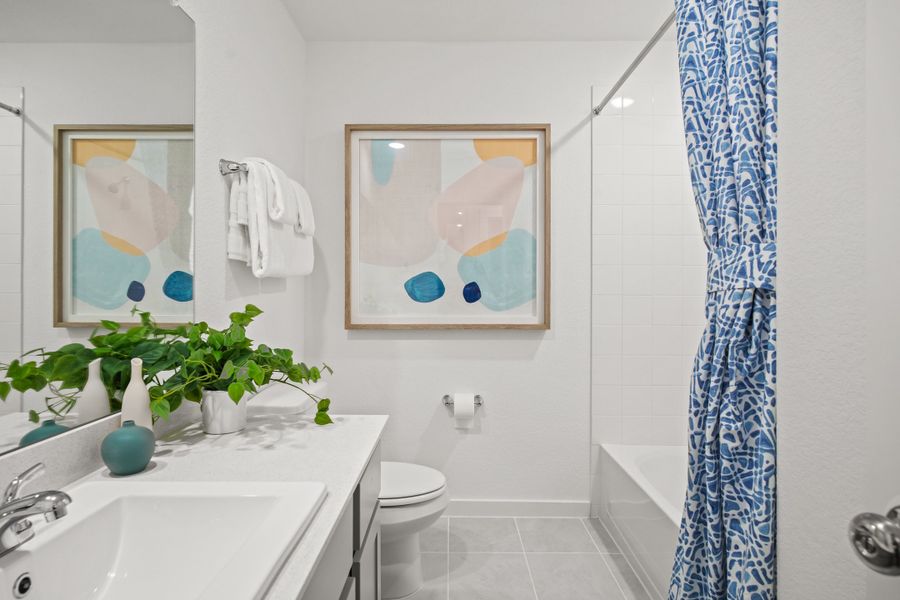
point(271, 223)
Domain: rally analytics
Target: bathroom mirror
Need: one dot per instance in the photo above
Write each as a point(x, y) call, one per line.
point(96, 182)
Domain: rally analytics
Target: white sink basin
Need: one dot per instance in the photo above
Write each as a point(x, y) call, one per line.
point(141, 540)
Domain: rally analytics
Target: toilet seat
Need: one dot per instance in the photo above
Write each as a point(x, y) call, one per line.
point(405, 484)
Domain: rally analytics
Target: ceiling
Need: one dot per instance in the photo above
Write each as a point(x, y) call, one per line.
point(93, 21)
point(478, 20)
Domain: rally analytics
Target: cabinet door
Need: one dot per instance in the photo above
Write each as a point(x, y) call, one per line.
point(367, 567)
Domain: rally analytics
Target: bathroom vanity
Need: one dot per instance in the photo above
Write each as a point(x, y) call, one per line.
point(284, 510)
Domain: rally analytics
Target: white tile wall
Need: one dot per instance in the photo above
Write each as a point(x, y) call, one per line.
point(10, 234)
point(649, 265)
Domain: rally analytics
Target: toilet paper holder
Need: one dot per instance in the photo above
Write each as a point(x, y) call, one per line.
point(448, 400)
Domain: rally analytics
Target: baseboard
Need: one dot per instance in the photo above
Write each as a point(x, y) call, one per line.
point(460, 507)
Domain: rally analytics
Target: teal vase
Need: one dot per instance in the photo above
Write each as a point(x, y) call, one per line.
point(45, 430)
point(128, 449)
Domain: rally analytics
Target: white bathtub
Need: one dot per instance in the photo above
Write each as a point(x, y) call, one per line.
point(638, 494)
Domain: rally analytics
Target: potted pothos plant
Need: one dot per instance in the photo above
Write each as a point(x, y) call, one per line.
point(180, 363)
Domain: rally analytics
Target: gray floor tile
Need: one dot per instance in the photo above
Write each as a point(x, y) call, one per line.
point(477, 534)
point(573, 577)
point(601, 536)
point(555, 535)
point(490, 577)
point(434, 571)
point(434, 539)
point(626, 577)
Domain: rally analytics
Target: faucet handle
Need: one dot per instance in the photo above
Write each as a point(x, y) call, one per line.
point(12, 490)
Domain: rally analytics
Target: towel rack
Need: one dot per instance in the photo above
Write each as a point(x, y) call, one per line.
point(227, 167)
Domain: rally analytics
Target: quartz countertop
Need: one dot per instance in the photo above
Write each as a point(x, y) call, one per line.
point(276, 447)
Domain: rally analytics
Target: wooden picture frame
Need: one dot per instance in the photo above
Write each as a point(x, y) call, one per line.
point(408, 265)
point(124, 163)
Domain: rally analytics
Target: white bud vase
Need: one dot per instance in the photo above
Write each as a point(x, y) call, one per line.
point(93, 402)
point(136, 401)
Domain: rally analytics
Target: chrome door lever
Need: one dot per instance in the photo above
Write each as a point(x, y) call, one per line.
point(876, 540)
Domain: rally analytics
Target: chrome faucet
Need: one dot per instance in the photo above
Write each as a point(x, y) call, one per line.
point(15, 528)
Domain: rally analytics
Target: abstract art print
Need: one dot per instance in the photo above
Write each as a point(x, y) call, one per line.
point(447, 227)
point(123, 223)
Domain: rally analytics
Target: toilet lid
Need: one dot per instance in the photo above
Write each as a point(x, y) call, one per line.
point(406, 480)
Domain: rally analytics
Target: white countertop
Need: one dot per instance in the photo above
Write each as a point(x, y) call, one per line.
point(276, 447)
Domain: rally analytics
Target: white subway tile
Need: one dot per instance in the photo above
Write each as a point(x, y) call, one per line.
point(636, 340)
point(607, 189)
point(637, 219)
point(636, 370)
point(637, 160)
point(606, 340)
point(690, 221)
point(607, 279)
point(637, 310)
point(637, 280)
point(11, 189)
point(667, 250)
point(667, 310)
point(10, 160)
point(10, 337)
point(606, 430)
point(667, 370)
point(638, 130)
point(667, 99)
point(667, 220)
point(637, 431)
point(608, 130)
point(637, 189)
point(11, 131)
point(668, 131)
point(669, 401)
point(637, 249)
point(667, 189)
point(606, 310)
point(607, 160)
point(606, 370)
point(667, 280)
point(667, 160)
point(607, 220)
point(693, 250)
point(10, 219)
point(694, 280)
point(606, 249)
point(668, 340)
point(10, 308)
point(10, 279)
point(641, 94)
point(691, 336)
point(10, 248)
point(668, 431)
point(694, 310)
point(606, 400)
point(636, 401)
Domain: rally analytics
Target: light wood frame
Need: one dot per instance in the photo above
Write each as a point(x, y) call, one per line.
point(349, 129)
point(59, 132)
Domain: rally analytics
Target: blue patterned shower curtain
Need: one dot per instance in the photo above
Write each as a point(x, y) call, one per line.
point(727, 59)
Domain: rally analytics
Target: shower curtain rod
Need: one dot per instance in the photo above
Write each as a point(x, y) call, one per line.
point(13, 109)
point(637, 61)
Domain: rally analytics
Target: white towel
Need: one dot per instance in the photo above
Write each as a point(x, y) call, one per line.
point(264, 227)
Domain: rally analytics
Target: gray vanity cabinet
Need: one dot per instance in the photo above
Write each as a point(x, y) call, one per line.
point(350, 567)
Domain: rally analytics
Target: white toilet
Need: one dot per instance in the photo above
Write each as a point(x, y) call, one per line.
point(412, 498)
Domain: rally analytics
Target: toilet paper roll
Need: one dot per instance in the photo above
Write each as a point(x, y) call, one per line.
point(463, 410)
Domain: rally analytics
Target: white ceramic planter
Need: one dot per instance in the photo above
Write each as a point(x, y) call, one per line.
point(220, 413)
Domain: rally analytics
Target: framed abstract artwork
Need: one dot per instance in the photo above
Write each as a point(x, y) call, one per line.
point(447, 227)
point(123, 223)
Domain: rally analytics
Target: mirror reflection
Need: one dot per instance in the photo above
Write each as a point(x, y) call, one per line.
point(96, 193)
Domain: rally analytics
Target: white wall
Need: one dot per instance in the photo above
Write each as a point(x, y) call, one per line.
point(73, 84)
point(250, 86)
point(822, 303)
point(532, 439)
point(649, 261)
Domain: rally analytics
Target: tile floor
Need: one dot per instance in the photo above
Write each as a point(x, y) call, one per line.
point(494, 558)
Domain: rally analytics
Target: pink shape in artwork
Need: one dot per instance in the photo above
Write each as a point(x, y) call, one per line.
point(479, 205)
point(128, 205)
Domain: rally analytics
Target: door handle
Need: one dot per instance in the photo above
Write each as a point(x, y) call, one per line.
point(876, 540)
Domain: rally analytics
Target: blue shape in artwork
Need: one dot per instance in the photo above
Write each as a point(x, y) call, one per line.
point(136, 291)
point(424, 287)
point(506, 275)
point(102, 275)
point(179, 286)
point(471, 292)
point(382, 161)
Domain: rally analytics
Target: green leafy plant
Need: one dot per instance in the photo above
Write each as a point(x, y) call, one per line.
point(227, 360)
point(179, 363)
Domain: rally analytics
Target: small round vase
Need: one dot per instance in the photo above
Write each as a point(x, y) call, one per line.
point(128, 449)
point(45, 430)
point(221, 414)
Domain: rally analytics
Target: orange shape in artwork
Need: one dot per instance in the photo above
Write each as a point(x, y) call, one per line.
point(85, 149)
point(487, 245)
point(524, 150)
point(121, 245)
